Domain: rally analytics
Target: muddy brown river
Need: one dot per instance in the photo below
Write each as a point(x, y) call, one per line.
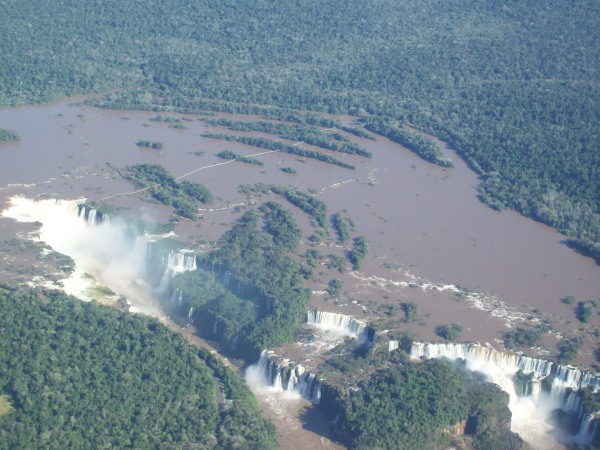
point(427, 232)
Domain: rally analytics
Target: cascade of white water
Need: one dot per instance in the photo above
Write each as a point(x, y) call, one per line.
point(587, 430)
point(190, 313)
point(501, 368)
point(176, 262)
point(285, 376)
point(393, 345)
point(234, 342)
point(338, 323)
point(89, 215)
point(105, 253)
point(177, 297)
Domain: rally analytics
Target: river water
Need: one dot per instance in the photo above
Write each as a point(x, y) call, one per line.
point(424, 225)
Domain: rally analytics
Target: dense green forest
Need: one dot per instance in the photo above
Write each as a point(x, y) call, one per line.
point(402, 405)
point(249, 294)
point(79, 375)
point(513, 86)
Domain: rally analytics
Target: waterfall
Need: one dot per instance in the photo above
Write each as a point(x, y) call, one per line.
point(90, 215)
point(563, 383)
point(106, 254)
point(393, 345)
point(176, 262)
point(587, 430)
point(190, 313)
point(177, 297)
point(234, 343)
point(340, 324)
point(284, 376)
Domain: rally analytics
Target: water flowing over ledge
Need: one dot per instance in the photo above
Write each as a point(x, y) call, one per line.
point(284, 376)
point(174, 263)
point(340, 325)
point(536, 387)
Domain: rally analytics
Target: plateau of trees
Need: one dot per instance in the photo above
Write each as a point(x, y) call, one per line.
point(413, 405)
point(183, 196)
point(249, 294)
point(80, 375)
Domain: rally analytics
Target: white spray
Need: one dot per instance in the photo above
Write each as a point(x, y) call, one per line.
point(105, 254)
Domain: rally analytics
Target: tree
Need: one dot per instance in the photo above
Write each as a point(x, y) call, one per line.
point(410, 311)
point(449, 332)
point(334, 287)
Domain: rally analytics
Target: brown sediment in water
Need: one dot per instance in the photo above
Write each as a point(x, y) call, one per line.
point(428, 234)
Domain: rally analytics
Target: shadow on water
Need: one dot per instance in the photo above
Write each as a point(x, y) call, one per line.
point(584, 251)
point(313, 420)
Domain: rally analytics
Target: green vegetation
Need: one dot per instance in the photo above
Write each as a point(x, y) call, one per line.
point(306, 134)
point(165, 188)
point(512, 87)
point(173, 122)
point(252, 295)
point(590, 401)
point(585, 310)
point(341, 228)
point(229, 155)
point(358, 252)
point(306, 202)
point(523, 383)
point(150, 144)
point(412, 406)
point(80, 375)
point(522, 338)
point(309, 118)
point(336, 262)
point(9, 135)
point(449, 332)
point(410, 311)
point(568, 349)
point(270, 144)
point(334, 287)
point(289, 170)
point(422, 146)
